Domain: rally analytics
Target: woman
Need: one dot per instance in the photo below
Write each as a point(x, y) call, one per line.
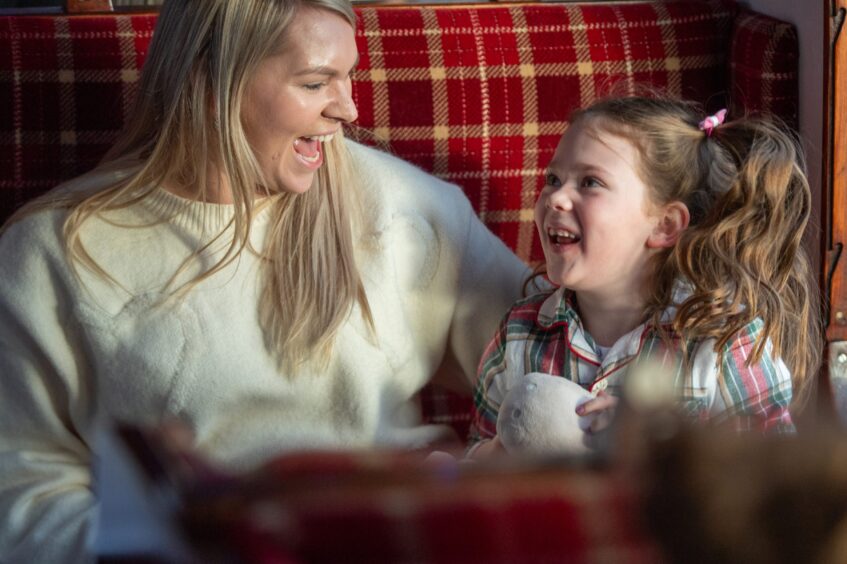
point(233, 263)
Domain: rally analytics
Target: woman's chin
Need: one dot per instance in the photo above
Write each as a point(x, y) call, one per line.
point(297, 185)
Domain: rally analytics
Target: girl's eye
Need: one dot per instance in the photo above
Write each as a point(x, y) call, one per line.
point(590, 182)
point(552, 180)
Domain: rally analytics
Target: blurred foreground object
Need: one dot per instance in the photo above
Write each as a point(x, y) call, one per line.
point(378, 506)
point(662, 489)
point(717, 496)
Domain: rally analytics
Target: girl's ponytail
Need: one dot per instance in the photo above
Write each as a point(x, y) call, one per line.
point(744, 252)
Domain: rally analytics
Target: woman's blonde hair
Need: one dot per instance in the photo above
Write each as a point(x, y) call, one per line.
point(749, 200)
point(187, 114)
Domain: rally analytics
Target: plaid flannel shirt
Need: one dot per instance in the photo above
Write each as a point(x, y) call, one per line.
point(543, 333)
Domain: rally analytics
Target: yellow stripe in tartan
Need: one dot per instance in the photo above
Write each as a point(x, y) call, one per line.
point(529, 97)
point(40, 137)
point(777, 34)
point(129, 74)
point(485, 108)
point(583, 55)
point(673, 62)
point(440, 108)
point(377, 61)
point(507, 216)
point(575, 15)
point(423, 132)
point(577, 69)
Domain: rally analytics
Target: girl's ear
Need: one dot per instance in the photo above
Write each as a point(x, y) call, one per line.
point(673, 219)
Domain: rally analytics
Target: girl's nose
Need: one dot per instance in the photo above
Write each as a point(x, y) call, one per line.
point(560, 200)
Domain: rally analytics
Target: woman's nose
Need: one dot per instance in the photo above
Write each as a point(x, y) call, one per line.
point(343, 108)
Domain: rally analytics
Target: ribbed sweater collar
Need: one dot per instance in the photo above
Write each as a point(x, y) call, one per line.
point(198, 217)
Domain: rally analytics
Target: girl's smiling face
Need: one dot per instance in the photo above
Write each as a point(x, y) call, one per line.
point(594, 215)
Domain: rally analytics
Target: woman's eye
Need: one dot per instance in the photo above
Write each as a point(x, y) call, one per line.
point(552, 180)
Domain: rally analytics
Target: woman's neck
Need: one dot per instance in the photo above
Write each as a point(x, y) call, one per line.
point(213, 189)
point(608, 319)
point(217, 192)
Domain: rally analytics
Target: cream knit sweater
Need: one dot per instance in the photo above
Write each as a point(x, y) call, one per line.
point(75, 351)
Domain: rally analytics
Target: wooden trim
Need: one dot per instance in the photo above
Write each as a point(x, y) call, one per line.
point(82, 6)
point(836, 258)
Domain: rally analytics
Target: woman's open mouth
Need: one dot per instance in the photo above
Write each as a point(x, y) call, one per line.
point(308, 150)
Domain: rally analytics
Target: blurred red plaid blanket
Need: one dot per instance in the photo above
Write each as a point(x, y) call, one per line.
point(396, 507)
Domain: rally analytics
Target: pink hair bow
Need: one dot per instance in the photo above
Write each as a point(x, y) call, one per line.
point(712, 122)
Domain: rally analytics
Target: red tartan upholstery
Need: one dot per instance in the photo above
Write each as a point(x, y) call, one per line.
point(763, 66)
point(481, 95)
point(476, 94)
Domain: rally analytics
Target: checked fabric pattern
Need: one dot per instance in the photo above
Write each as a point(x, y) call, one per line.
point(478, 95)
point(67, 84)
point(763, 63)
point(481, 95)
point(298, 508)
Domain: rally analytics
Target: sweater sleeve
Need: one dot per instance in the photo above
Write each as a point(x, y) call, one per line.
point(45, 481)
point(491, 279)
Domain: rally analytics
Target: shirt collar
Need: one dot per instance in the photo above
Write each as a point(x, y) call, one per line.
point(560, 308)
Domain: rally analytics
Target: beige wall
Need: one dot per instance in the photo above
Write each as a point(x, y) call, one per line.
point(808, 17)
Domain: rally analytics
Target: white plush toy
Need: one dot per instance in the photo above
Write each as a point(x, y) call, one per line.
point(538, 416)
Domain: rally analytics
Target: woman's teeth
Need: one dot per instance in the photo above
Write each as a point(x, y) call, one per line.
point(321, 138)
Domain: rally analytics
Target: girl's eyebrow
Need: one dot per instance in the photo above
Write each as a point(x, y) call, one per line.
point(591, 167)
point(581, 167)
point(325, 70)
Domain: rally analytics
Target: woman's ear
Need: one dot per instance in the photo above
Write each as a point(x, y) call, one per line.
point(673, 219)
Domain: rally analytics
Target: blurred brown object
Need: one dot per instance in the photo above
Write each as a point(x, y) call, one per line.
point(712, 495)
point(77, 6)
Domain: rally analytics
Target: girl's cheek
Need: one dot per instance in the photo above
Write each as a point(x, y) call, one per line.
point(539, 211)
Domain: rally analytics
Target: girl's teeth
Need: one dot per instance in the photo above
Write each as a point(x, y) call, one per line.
point(560, 237)
point(565, 234)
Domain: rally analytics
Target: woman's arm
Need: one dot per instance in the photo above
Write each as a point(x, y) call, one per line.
point(492, 278)
point(45, 481)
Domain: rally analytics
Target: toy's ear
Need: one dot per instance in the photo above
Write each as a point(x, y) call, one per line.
point(672, 220)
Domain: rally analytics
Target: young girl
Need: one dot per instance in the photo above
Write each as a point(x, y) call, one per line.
point(667, 233)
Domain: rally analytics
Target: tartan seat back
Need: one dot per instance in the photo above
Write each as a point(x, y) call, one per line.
point(476, 94)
